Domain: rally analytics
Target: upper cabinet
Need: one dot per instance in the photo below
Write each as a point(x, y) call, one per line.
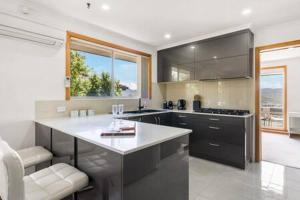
point(176, 64)
point(222, 57)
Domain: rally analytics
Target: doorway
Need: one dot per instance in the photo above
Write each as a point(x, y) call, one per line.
point(273, 101)
point(276, 97)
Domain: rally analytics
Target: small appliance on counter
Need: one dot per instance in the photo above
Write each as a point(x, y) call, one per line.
point(170, 105)
point(181, 104)
point(165, 105)
point(197, 103)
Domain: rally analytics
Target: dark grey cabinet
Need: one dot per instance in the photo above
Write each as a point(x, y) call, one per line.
point(225, 68)
point(220, 139)
point(229, 45)
point(217, 138)
point(222, 57)
point(178, 64)
point(158, 172)
point(159, 119)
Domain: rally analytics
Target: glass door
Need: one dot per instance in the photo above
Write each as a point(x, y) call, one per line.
point(273, 98)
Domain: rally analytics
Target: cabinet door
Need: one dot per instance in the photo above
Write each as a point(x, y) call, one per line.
point(165, 119)
point(151, 119)
point(233, 44)
point(233, 67)
point(176, 64)
point(136, 119)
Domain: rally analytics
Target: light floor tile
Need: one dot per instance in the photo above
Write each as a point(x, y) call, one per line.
point(260, 181)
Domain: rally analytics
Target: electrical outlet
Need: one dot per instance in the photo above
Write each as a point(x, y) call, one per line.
point(61, 109)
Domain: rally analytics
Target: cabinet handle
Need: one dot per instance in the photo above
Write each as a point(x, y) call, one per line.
point(181, 116)
point(214, 127)
point(184, 124)
point(155, 120)
point(213, 144)
point(214, 119)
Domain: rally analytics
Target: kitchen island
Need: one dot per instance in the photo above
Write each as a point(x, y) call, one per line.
point(152, 165)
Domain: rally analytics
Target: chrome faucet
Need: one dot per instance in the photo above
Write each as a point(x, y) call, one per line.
point(140, 107)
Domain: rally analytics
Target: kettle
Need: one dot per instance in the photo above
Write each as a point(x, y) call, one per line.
point(181, 104)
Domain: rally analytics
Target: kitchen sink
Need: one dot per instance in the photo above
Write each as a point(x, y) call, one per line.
point(142, 111)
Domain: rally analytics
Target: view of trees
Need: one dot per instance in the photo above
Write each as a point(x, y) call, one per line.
point(85, 82)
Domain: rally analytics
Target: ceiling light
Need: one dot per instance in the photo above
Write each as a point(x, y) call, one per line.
point(167, 36)
point(105, 7)
point(247, 11)
point(192, 47)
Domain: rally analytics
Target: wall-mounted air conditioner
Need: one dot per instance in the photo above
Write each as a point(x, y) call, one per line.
point(38, 38)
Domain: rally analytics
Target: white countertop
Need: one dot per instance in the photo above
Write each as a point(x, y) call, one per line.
point(90, 128)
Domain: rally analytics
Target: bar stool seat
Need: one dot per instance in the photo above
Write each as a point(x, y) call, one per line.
point(34, 155)
point(55, 182)
point(52, 183)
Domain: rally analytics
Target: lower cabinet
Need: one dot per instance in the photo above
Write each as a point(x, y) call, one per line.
point(159, 172)
point(222, 139)
point(217, 138)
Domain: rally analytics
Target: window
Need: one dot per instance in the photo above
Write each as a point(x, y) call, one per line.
point(273, 97)
point(102, 71)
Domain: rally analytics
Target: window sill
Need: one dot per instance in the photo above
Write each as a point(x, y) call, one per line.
point(103, 98)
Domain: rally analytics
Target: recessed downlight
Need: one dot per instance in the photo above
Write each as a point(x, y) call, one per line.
point(193, 47)
point(105, 7)
point(246, 12)
point(168, 36)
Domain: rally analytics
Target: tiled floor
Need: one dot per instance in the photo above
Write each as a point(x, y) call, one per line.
point(264, 181)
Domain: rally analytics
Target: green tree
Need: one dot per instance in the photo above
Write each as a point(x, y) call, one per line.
point(79, 75)
point(94, 85)
point(118, 88)
point(105, 84)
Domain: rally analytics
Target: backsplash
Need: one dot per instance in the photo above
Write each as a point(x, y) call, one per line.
point(48, 109)
point(231, 94)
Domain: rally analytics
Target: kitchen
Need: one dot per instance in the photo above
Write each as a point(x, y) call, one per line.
point(213, 98)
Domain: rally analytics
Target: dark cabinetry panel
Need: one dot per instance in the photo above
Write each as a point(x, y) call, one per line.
point(176, 64)
point(104, 169)
point(220, 139)
point(159, 172)
point(233, 67)
point(229, 45)
point(227, 56)
point(159, 119)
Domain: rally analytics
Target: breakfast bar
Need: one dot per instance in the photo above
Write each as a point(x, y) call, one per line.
point(153, 164)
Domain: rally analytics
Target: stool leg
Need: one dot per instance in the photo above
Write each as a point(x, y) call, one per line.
point(75, 196)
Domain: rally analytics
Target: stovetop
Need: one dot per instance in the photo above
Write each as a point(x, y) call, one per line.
point(223, 111)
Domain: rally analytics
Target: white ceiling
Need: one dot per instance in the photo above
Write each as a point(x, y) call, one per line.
point(149, 20)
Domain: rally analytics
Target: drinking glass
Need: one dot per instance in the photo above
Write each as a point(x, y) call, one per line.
point(121, 109)
point(114, 110)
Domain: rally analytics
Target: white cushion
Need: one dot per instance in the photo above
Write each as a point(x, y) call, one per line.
point(54, 183)
point(34, 155)
point(11, 173)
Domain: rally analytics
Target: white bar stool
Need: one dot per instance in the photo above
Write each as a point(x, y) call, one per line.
point(52, 183)
point(34, 155)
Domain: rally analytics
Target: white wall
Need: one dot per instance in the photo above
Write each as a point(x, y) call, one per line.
point(32, 72)
point(277, 33)
point(293, 81)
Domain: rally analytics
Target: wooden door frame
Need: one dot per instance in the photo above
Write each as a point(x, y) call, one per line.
point(258, 50)
point(284, 130)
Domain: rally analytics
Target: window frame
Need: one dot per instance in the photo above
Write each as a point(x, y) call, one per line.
point(105, 44)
